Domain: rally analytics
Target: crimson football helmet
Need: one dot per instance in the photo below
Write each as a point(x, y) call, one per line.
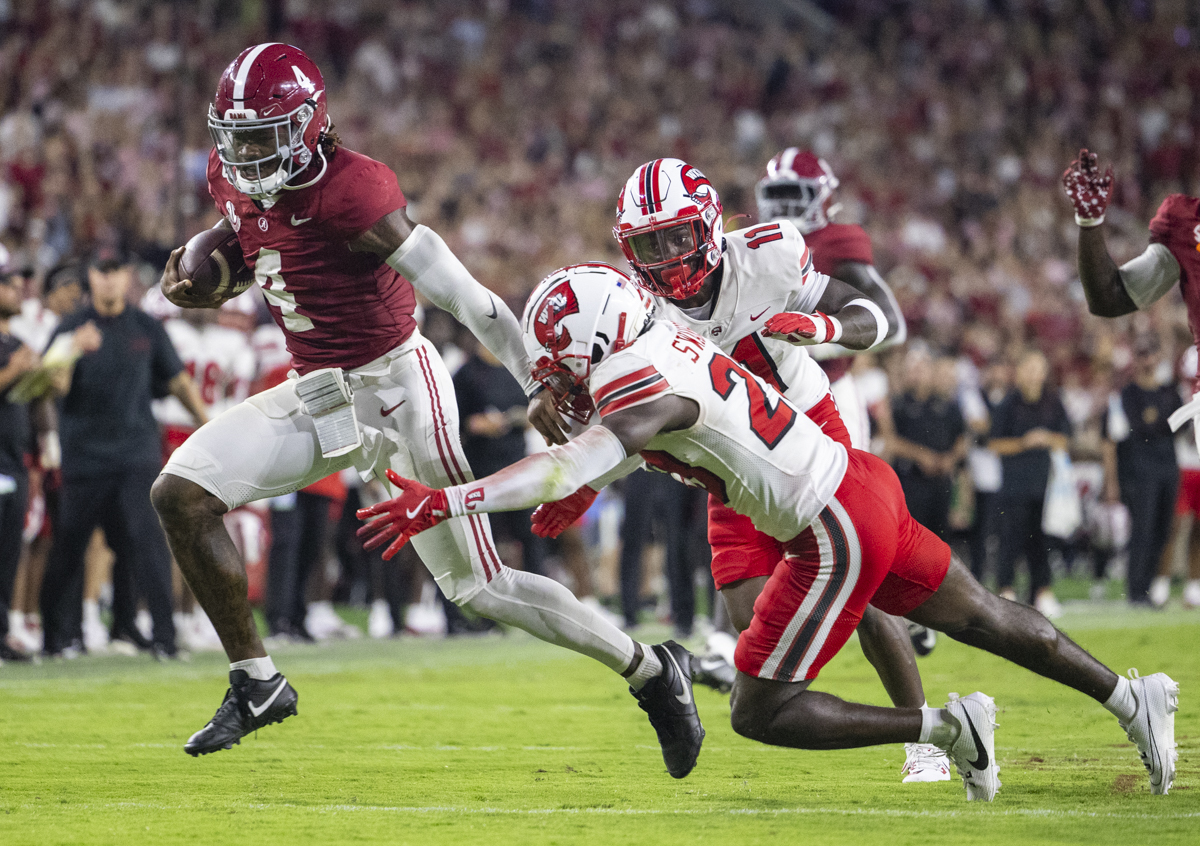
point(267, 119)
point(574, 319)
point(798, 187)
point(670, 227)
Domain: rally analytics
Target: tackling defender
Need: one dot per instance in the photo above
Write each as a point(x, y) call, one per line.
point(336, 256)
point(756, 294)
point(690, 410)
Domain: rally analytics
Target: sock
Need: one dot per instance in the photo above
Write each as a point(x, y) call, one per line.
point(257, 668)
point(938, 727)
point(649, 668)
point(1122, 704)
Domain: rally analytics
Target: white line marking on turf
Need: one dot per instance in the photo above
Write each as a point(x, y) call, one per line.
point(653, 812)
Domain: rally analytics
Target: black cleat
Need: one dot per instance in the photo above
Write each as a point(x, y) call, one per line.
point(249, 705)
point(713, 671)
point(668, 700)
point(923, 639)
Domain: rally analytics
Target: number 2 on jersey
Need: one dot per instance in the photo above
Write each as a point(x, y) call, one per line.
point(769, 424)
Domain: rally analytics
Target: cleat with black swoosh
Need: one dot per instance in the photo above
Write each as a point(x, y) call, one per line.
point(974, 752)
point(249, 705)
point(668, 700)
point(1152, 727)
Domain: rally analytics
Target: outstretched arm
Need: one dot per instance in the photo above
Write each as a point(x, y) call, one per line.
point(843, 316)
point(422, 257)
point(544, 477)
point(866, 280)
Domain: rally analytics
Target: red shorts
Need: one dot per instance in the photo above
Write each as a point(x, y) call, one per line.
point(740, 551)
point(863, 548)
point(1188, 501)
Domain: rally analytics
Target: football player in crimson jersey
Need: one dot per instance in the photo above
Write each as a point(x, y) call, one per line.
point(675, 400)
point(1172, 258)
point(757, 294)
point(324, 229)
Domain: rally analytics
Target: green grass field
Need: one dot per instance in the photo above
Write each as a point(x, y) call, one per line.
point(508, 740)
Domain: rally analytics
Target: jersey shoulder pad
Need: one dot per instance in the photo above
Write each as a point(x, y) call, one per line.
point(839, 242)
point(624, 380)
point(354, 194)
point(1178, 211)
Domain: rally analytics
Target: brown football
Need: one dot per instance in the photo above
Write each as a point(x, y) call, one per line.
point(213, 261)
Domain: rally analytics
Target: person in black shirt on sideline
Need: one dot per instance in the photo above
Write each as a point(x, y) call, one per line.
point(1026, 426)
point(928, 441)
point(1140, 468)
point(117, 359)
point(16, 360)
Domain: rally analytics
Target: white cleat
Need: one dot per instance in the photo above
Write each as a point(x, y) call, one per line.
point(974, 753)
point(924, 762)
point(1152, 728)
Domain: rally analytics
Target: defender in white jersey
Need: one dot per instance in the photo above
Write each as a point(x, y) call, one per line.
point(756, 294)
point(686, 407)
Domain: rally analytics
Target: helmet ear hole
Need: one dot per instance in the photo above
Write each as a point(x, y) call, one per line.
point(597, 353)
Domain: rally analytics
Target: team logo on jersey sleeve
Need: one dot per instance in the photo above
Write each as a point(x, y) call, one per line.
point(559, 303)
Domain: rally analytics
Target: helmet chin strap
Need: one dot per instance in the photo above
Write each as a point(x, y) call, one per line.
point(315, 179)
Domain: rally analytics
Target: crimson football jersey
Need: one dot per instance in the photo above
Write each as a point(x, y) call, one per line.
point(1176, 226)
point(831, 245)
point(338, 308)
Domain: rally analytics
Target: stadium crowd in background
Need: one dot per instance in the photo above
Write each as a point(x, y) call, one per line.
point(513, 123)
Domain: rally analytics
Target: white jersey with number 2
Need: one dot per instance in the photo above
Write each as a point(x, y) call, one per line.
point(749, 447)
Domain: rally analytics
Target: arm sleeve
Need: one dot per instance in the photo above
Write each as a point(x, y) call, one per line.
point(546, 477)
point(1150, 275)
point(425, 261)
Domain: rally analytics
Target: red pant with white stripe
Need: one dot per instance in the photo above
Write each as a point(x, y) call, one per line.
point(863, 548)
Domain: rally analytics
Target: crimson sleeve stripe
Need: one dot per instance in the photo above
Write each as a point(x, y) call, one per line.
point(628, 379)
point(632, 389)
point(634, 399)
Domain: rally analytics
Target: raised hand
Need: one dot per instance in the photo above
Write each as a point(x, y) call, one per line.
point(803, 329)
point(416, 509)
point(552, 518)
point(1088, 190)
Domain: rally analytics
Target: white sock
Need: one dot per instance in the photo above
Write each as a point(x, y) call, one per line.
point(257, 668)
point(650, 667)
point(1121, 704)
point(549, 611)
point(938, 727)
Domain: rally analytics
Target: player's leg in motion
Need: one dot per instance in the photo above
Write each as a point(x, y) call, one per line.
point(461, 556)
point(262, 447)
point(780, 655)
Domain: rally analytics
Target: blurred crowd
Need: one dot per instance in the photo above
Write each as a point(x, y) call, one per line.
point(511, 124)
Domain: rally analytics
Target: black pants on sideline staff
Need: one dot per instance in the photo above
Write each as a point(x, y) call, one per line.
point(1150, 496)
point(120, 505)
point(12, 524)
point(656, 498)
point(1021, 531)
point(298, 531)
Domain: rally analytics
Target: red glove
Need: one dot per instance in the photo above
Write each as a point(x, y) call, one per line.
point(803, 329)
point(416, 509)
point(1088, 191)
point(551, 519)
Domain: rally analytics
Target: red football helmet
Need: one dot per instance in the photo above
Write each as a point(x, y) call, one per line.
point(798, 187)
point(267, 119)
point(670, 227)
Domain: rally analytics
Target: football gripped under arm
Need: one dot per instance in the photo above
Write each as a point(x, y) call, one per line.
point(425, 261)
point(543, 477)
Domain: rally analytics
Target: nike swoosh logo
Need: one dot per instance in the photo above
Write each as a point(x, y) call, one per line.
point(981, 762)
point(297, 222)
point(494, 312)
point(414, 512)
point(257, 710)
point(386, 411)
point(684, 698)
point(761, 313)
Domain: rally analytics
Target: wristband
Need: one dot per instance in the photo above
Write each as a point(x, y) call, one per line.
point(1088, 222)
